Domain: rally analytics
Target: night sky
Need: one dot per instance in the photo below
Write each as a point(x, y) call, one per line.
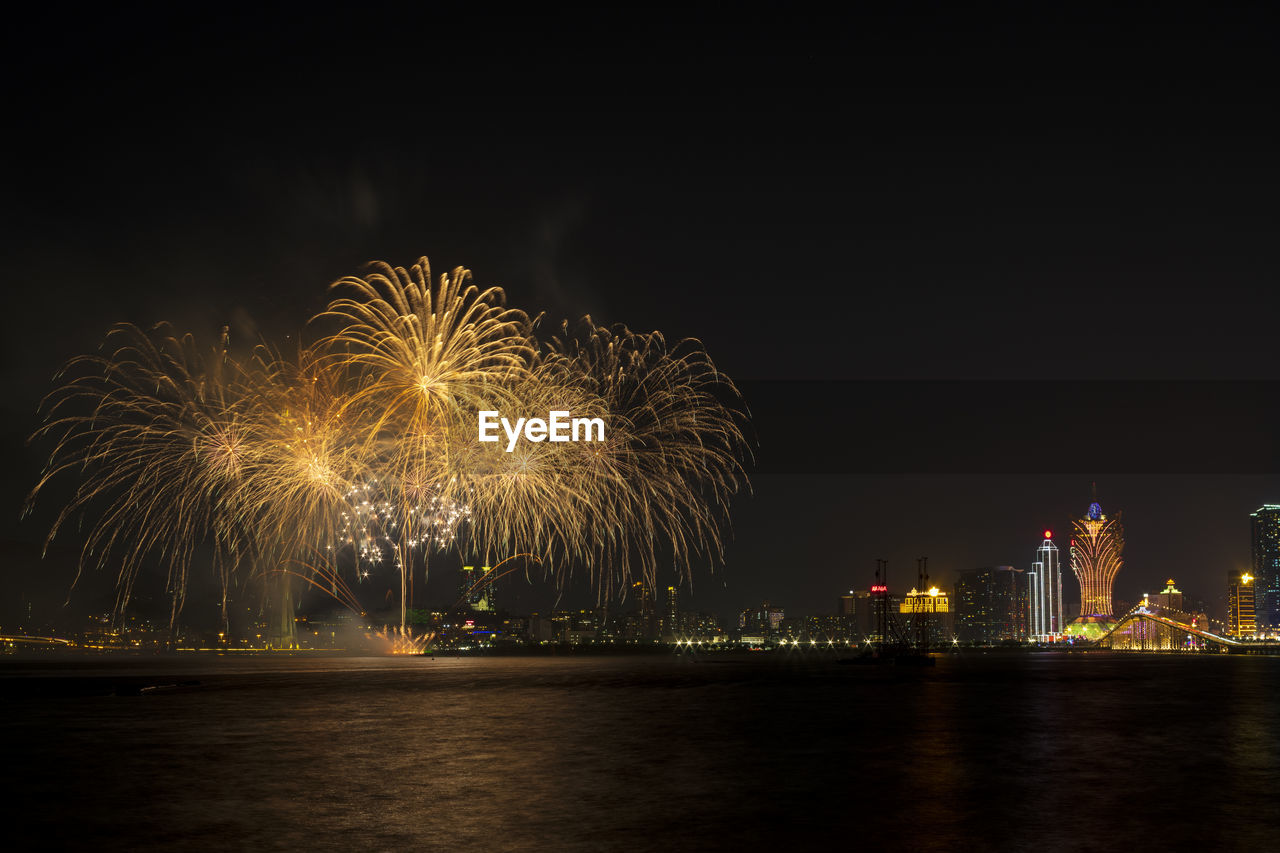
point(962, 265)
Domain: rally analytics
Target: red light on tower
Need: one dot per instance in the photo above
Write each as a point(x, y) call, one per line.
point(1048, 534)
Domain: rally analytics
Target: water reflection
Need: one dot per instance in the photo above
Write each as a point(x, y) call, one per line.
point(1013, 752)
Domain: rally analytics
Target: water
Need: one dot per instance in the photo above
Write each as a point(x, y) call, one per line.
point(1008, 752)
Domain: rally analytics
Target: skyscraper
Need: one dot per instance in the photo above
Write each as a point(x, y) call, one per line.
point(1240, 603)
point(474, 592)
point(1044, 583)
point(1096, 558)
point(991, 605)
point(466, 580)
point(1265, 522)
point(764, 620)
point(857, 614)
point(671, 620)
point(489, 595)
point(646, 611)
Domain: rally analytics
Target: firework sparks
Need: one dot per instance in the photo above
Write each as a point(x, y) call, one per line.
point(156, 431)
point(366, 443)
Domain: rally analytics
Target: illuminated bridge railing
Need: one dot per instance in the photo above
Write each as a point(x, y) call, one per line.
point(26, 640)
point(1143, 630)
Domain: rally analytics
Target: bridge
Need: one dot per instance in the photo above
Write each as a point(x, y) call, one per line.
point(27, 641)
point(1150, 628)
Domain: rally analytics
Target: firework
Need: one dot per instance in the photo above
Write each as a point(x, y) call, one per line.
point(672, 459)
point(156, 431)
point(305, 461)
point(365, 444)
point(420, 358)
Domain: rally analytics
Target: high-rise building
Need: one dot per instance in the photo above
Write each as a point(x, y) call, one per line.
point(857, 614)
point(646, 611)
point(671, 619)
point(1265, 522)
point(488, 598)
point(991, 605)
point(1240, 604)
point(1096, 558)
point(474, 591)
point(764, 621)
point(466, 580)
point(1044, 589)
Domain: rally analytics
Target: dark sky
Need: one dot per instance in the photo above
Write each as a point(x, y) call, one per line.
point(858, 215)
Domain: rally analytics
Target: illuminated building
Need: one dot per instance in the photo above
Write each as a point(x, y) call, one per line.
point(103, 633)
point(513, 632)
point(763, 621)
point(1169, 598)
point(466, 577)
point(672, 616)
point(561, 625)
point(825, 629)
point(1171, 604)
point(1240, 602)
point(473, 592)
point(1089, 627)
point(929, 610)
point(1265, 522)
point(540, 628)
point(582, 627)
point(991, 605)
point(932, 600)
point(704, 627)
point(1096, 558)
point(880, 621)
point(1044, 590)
point(646, 613)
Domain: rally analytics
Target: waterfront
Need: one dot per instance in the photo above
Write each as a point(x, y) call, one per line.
point(997, 751)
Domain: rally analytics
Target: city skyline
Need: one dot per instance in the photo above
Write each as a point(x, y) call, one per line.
point(881, 317)
point(798, 596)
point(934, 435)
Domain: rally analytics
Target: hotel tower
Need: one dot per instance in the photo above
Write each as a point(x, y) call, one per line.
point(1045, 587)
point(1095, 558)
